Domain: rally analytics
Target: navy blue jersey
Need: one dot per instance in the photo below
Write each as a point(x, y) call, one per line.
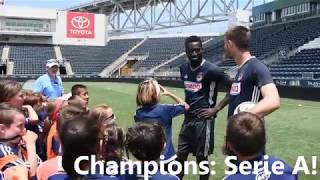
point(162, 113)
point(250, 77)
point(262, 175)
point(157, 176)
point(64, 176)
point(11, 156)
point(201, 86)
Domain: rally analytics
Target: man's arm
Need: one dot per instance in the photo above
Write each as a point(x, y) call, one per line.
point(209, 112)
point(270, 101)
point(221, 77)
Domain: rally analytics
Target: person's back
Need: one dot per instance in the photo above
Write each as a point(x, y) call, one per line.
point(64, 176)
point(246, 139)
point(146, 141)
point(150, 110)
point(269, 175)
point(162, 114)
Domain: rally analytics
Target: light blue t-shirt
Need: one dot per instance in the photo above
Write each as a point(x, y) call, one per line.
point(52, 88)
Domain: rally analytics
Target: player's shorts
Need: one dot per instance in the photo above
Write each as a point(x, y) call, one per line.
point(196, 137)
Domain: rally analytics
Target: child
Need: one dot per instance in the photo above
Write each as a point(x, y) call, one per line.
point(17, 146)
point(146, 141)
point(148, 98)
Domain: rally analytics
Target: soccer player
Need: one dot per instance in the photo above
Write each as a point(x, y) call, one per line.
point(201, 80)
point(253, 81)
point(245, 137)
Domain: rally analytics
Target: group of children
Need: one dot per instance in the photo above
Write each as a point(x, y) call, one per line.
point(42, 139)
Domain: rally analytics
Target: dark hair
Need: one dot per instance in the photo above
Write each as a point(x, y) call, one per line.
point(145, 141)
point(68, 113)
point(192, 39)
point(33, 98)
point(112, 143)
point(240, 36)
point(246, 133)
point(75, 89)
point(79, 137)
point(75, 100)
point(8, 89)
point(6, 114)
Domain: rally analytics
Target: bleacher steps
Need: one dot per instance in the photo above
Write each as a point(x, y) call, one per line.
point(60, 59)
point(173, 58)
point(10, 66)
point(58, 54)
point(314, 44)
point(115, 65)
point(68, 67)
point(5, 54)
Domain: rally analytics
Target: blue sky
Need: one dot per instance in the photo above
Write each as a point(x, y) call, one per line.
point(52, 4)
point(62, 4)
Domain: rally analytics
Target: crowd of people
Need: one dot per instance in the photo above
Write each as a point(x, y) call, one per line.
point(42, 132)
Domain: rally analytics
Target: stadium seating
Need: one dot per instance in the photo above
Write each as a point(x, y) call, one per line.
point(30, 58)
point(305, 64)
point(266, 40)
point(284, 36)
point(213, 51)
point(159, 50)
point(93, 59)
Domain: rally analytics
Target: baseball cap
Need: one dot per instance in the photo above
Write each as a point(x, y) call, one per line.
point(51, 63)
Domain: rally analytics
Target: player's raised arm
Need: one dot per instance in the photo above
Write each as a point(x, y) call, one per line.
point(177, 99)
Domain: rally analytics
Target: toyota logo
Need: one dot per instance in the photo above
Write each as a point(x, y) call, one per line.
point(80, 22)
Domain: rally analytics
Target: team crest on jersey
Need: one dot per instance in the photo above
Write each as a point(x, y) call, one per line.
point(192, 86)
point(235, 88)
point(185, 76)
point(199, 77)
point(262, 175)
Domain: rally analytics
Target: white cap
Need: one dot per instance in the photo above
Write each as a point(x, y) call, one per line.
point(51, 63)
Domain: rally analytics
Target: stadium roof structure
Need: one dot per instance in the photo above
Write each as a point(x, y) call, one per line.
point(128, 16)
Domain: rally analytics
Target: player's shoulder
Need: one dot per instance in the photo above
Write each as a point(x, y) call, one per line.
point(159, 176)
point(212, 68)
point(287, 167)
point(184, 66)
point(255, 62)
point(210, 65)
point(239, 176)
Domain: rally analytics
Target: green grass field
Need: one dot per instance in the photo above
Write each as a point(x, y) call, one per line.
point(292, 131)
